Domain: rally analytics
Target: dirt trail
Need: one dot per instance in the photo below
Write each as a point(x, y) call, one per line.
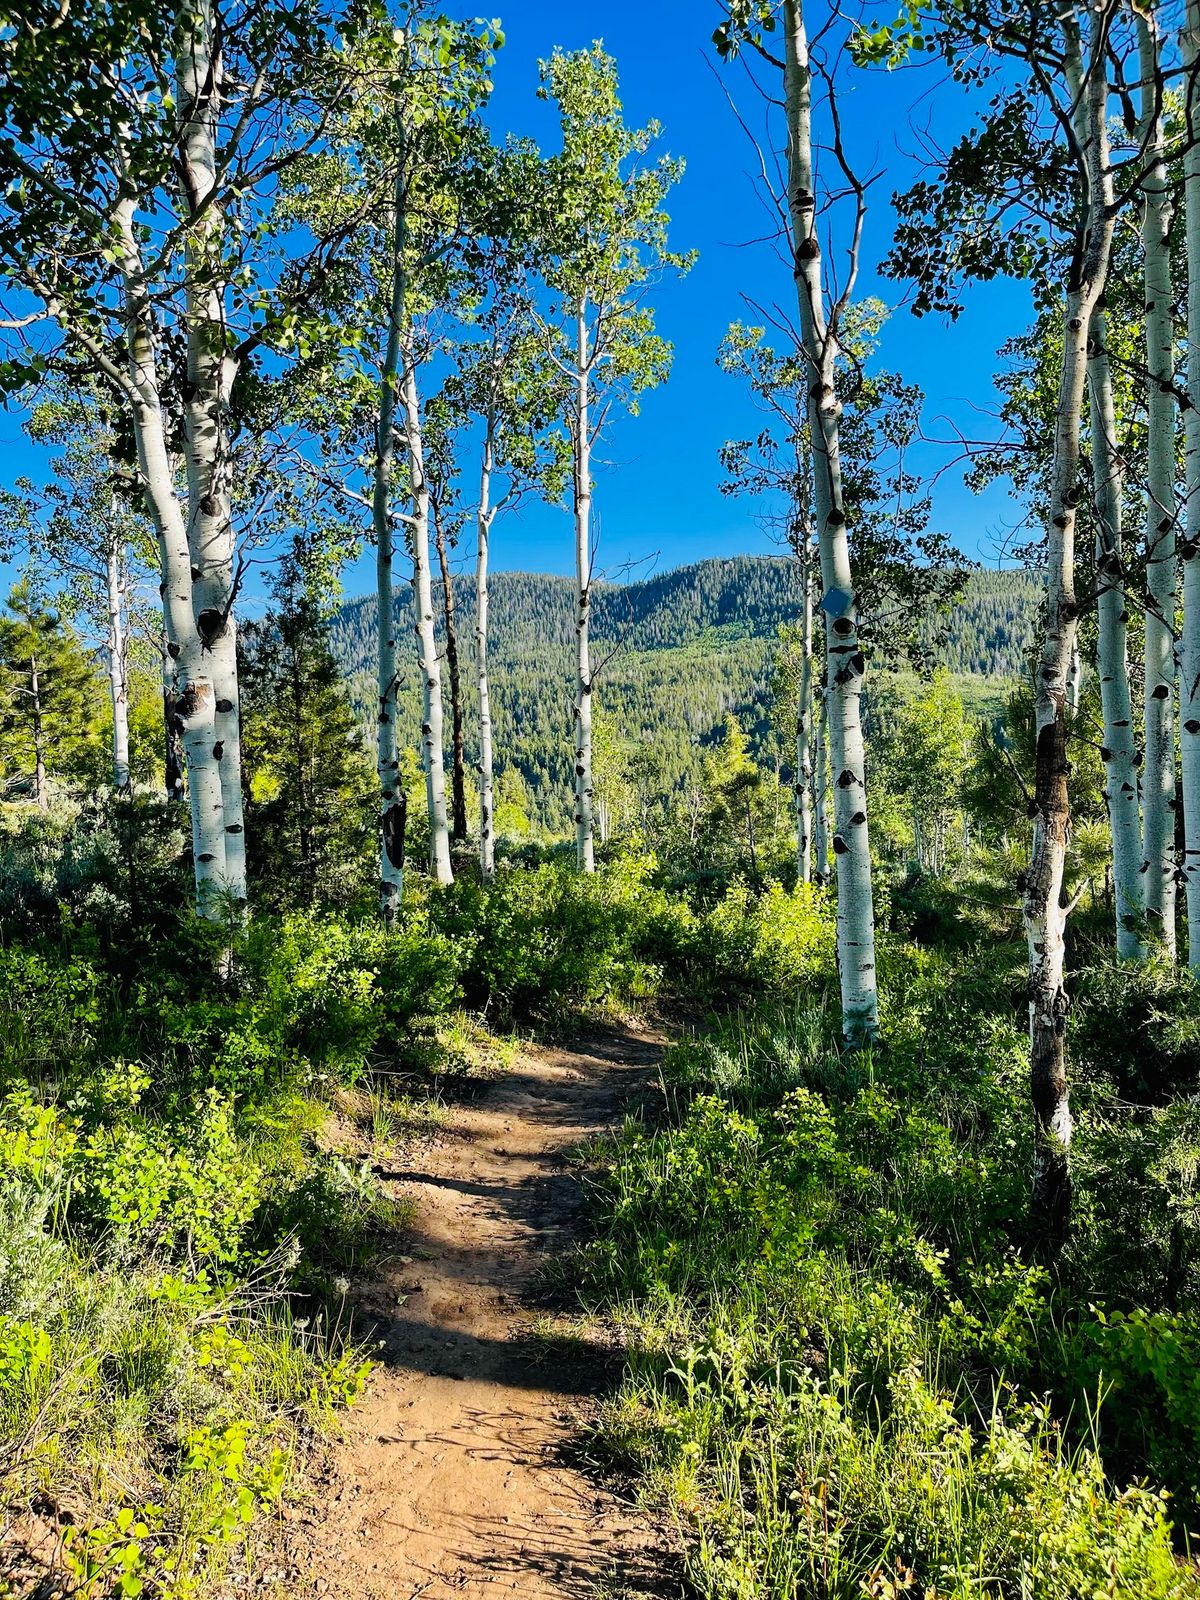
point(456, 1478)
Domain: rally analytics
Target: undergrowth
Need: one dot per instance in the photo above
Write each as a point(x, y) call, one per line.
point(851, 1374)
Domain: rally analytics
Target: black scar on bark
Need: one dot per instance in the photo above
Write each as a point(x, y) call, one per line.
point(840, 846)
point(394, 826)
point(173, 650)
point(1160, 692)
point(224, 705)
point(211, 625)
point(218, 750)
point(857, 820)
point(1191, 726)
point(234, 827)
point(845, 779)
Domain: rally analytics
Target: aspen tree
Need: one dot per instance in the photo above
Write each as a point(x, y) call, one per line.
point(397, 178)
point(207, 401)
point(81, 533)
point(1118, 751)
point(845, 663)
point(154, 240)
point(777, 463)
point(1045, 904)
point(604, 237)
point(458, 786)
point(1189, 652)
point(1158, 773)
point(393, 808)
point(505, 387)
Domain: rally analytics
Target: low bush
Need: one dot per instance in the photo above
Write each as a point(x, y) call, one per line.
point(850, 1377)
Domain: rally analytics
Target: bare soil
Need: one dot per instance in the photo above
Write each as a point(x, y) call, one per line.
point(461, 1474)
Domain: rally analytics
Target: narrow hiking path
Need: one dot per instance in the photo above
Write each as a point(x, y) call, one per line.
point(457, 1476)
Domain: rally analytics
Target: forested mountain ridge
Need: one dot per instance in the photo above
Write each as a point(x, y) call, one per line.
point(745, 597)
point(680, 651)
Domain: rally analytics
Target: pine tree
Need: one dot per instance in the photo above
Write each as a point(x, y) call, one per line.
point(309, 779)
point(49, 694)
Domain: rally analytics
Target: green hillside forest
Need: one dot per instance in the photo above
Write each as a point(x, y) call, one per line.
point(682, 651)
point(685, 1088)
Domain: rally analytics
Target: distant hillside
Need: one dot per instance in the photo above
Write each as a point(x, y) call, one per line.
point(690, 646)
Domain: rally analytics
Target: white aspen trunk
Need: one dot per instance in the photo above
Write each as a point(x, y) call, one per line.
point(845, 663)
point(191, 695)
point(804, 708)
point(392, 800)
point(1158, 773)
point(487, 807)
point(1075, 679)
point(458, 785)
point(1189, 661)
point(432, 738)
point(1045, 910)
point(174, 786)
point(820, 794)
point(118, 675)
point(206, 405)
point(41, 790)
point(1118, 751)
point(584, 787)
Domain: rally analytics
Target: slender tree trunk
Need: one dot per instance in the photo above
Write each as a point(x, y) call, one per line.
point(845, 663)
point(458, 772)
point(584, 788)
point(118, 664)
point(41, 790)
point(392, 808)
point(422, 586)
point(305, 851)
point(820, 794)
point(1189, 676)
point(804, 709)
point(1158, 779)
point(487, 808)
point(174, 788)
point(1119, 748)
point(1075, 680)
point(1045, 909)
point(192, 708)
point(206, 407)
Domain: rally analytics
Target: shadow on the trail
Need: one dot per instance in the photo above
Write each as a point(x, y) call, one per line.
point(565, 1365)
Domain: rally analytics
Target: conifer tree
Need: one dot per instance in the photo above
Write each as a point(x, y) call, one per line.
point(48, 696)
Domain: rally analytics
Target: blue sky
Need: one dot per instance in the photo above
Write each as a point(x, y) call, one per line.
point(657, 496)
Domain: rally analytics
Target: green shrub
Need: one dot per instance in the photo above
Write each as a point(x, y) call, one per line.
point(840, 1347)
